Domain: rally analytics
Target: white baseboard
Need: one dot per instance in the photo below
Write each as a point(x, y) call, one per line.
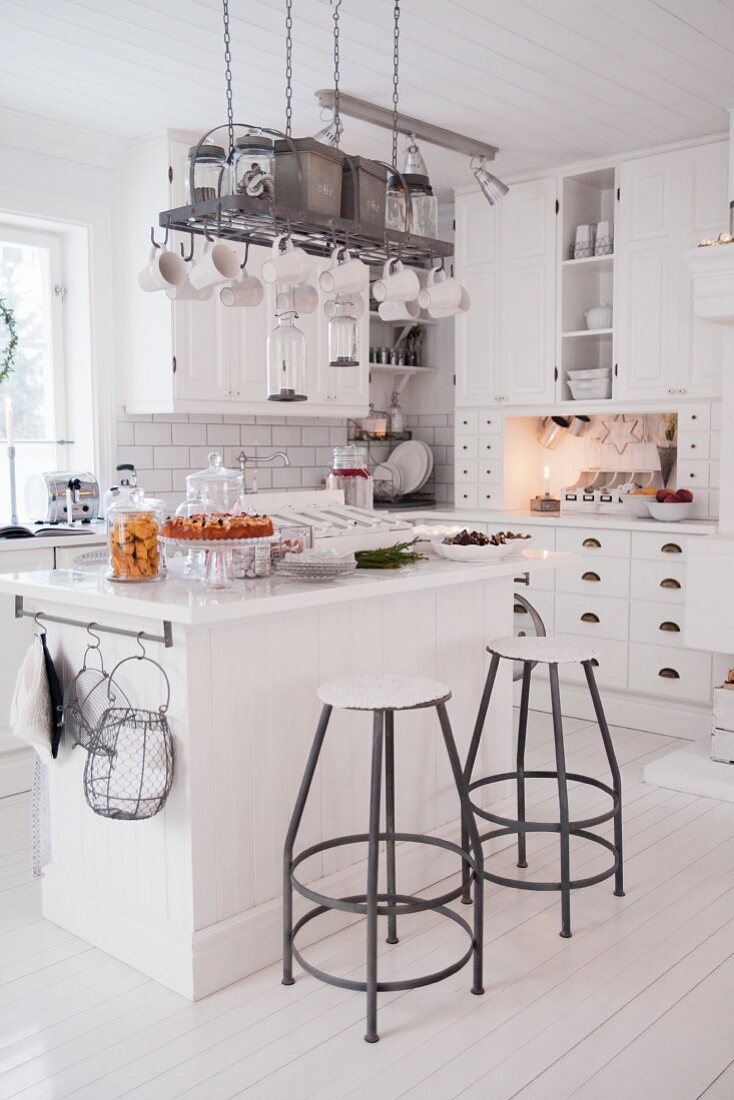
point(16, 768)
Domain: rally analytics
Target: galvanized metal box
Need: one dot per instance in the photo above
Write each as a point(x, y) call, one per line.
point(320, 188)
point(363, 192)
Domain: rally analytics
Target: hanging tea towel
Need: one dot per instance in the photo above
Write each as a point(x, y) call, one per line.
point(31, 713)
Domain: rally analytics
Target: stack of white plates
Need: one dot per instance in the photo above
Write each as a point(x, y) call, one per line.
point(314, 571)
point(586, 385)
point(408, 467)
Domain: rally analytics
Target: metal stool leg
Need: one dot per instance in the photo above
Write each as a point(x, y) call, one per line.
point(471, 761)
point(392, 922)
point(614, 769)
point(290, 840)
point(563, 803)
point(522, 859)
point(373, 856)
point(469, 826)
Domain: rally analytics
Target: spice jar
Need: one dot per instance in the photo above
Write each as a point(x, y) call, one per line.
point(133, 527)
point(253, 167)
point(350, 473)
point(210, 167)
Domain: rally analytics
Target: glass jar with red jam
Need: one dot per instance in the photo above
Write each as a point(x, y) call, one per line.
point(350, 472)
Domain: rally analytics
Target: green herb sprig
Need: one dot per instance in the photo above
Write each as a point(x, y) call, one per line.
point(389, 557)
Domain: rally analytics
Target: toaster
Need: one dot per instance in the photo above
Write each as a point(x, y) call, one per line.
point(62, 496)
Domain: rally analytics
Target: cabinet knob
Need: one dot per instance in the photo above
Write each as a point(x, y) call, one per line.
point(669, 627)
point(594, 663)
point(589, 617)
point(589, 576)
point(591, 544)
point(669, 674)
point(670, 548)
point(670, 582)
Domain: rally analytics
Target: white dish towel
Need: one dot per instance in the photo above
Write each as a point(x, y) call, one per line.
point(30, 718)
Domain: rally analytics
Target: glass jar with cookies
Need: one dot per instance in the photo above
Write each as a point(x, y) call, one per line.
point(133, 530)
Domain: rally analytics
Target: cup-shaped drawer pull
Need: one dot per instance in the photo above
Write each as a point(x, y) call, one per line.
point(669, 627)
point(671, 548)
point(590, 617)
point(591, 544)
point(669, 674)
point(594, 663)
point(670, 582)
point(589, 575)
point(520, 610)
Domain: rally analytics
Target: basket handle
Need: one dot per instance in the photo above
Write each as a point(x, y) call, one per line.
point(143, 656)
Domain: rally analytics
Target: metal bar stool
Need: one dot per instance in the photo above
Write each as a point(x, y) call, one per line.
point(551, 651)
point(383, 695)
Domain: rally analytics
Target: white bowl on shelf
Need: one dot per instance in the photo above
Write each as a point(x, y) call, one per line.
point(637, 505)
point(592, 390)
point(592, 374)
point(475, 554)
point(670, 513)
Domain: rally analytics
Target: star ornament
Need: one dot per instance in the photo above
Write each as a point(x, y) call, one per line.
point(621, 431)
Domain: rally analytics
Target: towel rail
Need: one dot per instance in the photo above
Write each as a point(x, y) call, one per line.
point(166, 638)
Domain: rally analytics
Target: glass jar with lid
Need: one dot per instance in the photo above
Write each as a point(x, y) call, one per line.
point(342, 335)
point(424, 206)
point(210, 167)
point(219, 486)
point(350, 472)
point(395, 204)
point(253, 166)
point(133, 530)
point(286, 360)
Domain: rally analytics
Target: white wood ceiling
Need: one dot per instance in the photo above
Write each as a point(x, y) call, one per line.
point(548, 81)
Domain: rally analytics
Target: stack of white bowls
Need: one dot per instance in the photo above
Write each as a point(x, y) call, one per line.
point(590, 385)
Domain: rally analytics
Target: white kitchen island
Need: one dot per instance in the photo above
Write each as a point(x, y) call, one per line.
point(191, 897)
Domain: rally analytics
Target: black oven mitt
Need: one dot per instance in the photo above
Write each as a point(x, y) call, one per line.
point(57, 698)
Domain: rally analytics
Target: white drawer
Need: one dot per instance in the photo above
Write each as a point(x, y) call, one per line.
point(465, 495)
point(693, 445)
point(592, 616)
point(466, 471)
point(543, 602)
point(489, 472)
point(693, 472)
point(656, 623)
point(670, 672)
point(489, 446)
point(544, 538)
point(610, 668)
point(601, 577)
point(466, 447)
point(591, 543)
point(490, 423)
point(661, 581)
point(694, 418)
point(467, 422)
point(669, 548)
point(489, 496)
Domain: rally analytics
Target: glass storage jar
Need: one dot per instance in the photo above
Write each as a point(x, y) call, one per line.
point(210, 166)
point(343, 336)
point(133, 529)
point(424, 206)
point(395, 204)
point(253, 167)
point(220, 486)
point(286, 361)
point(350, 472)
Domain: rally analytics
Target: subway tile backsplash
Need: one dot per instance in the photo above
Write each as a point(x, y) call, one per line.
point(167, 448)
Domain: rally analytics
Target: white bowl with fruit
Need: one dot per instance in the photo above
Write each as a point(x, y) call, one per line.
point(475, 546)
point(671, 507)
point(636, 503)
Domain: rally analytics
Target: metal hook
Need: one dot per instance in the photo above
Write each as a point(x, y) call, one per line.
point(206, 232)
point(154, 242)
point(219, 220)
point(96, 637)
point(140, 656)
point(190, 256)
point(288, 230)
point(41, 627)
point(243, 265)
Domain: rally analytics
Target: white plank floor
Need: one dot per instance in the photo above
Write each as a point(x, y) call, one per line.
point(638, 1004)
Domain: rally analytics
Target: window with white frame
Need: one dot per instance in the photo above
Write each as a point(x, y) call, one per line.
point(31, 285)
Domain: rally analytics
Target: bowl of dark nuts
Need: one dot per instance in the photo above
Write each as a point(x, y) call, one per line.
point(475, 546)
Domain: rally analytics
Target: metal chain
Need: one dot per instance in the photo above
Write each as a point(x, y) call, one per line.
point(228, 73)
point(288, 66)
point(395, 79)
point(337, 116)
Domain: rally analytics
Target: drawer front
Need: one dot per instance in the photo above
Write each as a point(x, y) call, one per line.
point(693, 472)
point(489, 496)
point(465, 495)
point(610, 667)
point(467, 422)
point(544, 538)
point(592, 616)
point(543, 602)
point(490, 423)
point(489, 472)
point(601, 577)
point(693, 445)
point(490, 446)
point(466, 471)
point(579, 540)
point(466, 447)
point(662, 582)
point(694, 418)
point(670, 672)
point(668, 548)
point(656, 623)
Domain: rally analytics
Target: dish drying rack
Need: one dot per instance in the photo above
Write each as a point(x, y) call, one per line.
point(334, 525)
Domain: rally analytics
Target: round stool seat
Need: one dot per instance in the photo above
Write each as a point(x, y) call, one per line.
point(383, 693)
point(552, 650)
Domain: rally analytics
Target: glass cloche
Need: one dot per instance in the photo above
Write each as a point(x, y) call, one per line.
point(217, 484)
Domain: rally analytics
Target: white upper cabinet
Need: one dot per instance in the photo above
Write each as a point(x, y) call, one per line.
point(477, 332)
point(201, 356)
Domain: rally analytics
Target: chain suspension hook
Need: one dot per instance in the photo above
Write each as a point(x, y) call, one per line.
point(288, 66)
point(228, 74)
point(395, 79)
point(336, 4)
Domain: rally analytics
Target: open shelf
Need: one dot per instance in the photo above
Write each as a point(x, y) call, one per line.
point(588, 332)
point(417, 321)
point(393, 368)
point(601, 263)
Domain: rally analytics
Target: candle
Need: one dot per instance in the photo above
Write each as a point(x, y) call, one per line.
point(10, 438)
point(546, 481)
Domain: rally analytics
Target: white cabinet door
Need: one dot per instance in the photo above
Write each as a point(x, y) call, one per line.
point(202, 345)
point(249, 328)
point(528, 288)
point(646, 265)
point(477, 332)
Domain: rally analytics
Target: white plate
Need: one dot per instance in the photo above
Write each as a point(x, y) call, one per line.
point(471, 553)
point(429, 459)
point(411, 460)
point(390, 474)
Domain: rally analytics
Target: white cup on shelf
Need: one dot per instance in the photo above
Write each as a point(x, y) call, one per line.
point(452, 311)
point(440, 291)
point(218, 263)
point(398, 283)
point(287, 265)
point(164, 269)
point(347, 276)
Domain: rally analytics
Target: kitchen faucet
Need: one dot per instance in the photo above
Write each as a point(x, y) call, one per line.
point(243, 459)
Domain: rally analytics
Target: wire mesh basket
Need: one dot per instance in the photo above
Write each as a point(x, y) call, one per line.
point(88, 695)
point(129, 767)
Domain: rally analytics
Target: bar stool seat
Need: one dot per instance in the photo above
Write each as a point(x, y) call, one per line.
point(553, 650)
point(383, 693)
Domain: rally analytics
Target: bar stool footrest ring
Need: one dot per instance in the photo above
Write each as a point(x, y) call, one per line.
point(545, 826)
point(575, 884)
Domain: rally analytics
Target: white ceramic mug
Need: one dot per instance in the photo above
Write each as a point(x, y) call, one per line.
point(303, 297)
point(348, 277)
point(399, 311)
point(398, 283)
point(452, 311)
point(444, 294)
point(185, 292)
point(218, 264)
point(164, 269)
point(292, 265)
point(356, 301)
point(245, 291)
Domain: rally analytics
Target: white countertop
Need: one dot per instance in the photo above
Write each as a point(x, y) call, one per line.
point(91, 536)
point(179, 601)
point(561, 519)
